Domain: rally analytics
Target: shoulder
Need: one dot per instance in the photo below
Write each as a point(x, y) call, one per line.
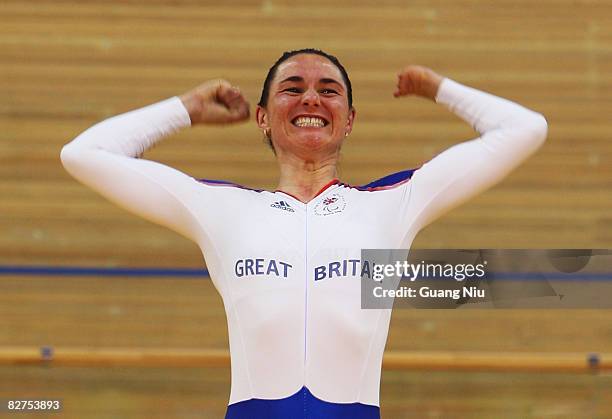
point(391, 181)
point(225, 184)
point(224, 190)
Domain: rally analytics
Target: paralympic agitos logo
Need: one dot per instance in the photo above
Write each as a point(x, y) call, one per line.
point(332, 204)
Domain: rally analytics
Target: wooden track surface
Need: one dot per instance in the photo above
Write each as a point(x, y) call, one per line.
point(162, 393)
point(129, 312)
point(66, 65)
point(183, 313)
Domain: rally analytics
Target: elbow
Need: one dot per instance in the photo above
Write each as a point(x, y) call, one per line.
point(73, 153)
point(72, 157)
point(68, 156)
point(538, 129)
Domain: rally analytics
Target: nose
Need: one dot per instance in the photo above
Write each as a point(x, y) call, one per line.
point(311, 98)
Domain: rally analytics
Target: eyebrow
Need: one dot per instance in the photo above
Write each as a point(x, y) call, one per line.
point(301, 79)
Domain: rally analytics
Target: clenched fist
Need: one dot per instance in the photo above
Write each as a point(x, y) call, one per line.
point(418, 80)
point(216, 102)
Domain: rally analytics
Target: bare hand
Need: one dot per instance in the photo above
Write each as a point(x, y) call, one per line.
point(418, 80)
point(216, 102)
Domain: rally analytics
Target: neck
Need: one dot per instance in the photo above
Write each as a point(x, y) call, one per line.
point(304, 179)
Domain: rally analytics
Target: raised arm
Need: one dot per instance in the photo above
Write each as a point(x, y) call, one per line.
point(509, 134)
point(106, 157)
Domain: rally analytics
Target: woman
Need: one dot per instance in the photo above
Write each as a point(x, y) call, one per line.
point(286, 263)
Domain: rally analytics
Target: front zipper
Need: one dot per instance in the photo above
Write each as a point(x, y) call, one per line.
point(305, 291)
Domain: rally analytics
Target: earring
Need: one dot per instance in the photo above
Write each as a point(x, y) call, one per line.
point(266, 133)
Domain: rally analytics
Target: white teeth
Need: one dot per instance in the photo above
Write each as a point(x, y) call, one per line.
point(305, 121)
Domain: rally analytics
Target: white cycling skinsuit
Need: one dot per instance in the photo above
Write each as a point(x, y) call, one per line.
point(289, 272)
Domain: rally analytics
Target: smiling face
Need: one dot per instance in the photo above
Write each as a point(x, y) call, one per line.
point(307, 112)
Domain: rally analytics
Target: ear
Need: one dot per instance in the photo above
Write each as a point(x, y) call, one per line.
point(349, 123)
point(261, 116)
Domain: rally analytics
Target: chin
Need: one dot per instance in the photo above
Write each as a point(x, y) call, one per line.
point(312, 141)
point(315, 141)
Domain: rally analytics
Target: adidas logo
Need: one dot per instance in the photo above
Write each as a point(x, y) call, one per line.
point(282, 205)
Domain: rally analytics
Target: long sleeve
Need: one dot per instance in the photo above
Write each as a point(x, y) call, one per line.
point(106, 158)
point(509, 134)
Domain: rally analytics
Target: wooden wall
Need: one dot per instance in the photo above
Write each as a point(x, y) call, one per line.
point(68, 64)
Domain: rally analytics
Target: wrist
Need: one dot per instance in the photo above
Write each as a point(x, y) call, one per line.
point(193, 104)
point(433, 86)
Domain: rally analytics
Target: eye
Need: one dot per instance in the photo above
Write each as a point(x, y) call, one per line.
point(292, 90)
point(327, 91)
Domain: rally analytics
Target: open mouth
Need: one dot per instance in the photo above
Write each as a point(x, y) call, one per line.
point(309, 122)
